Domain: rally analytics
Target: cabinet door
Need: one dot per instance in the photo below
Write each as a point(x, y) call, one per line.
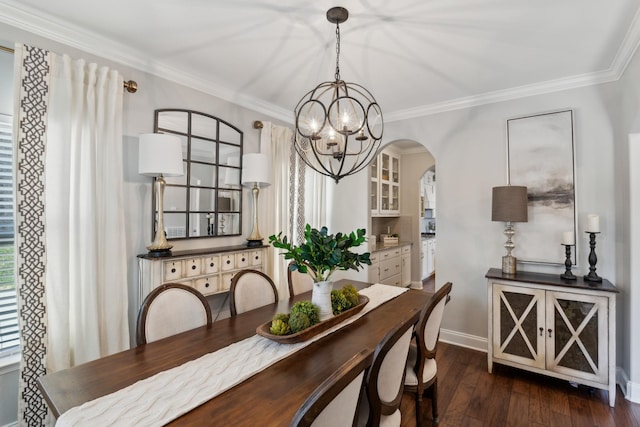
point(406, 269)
point(518, 325)
point(577, 335)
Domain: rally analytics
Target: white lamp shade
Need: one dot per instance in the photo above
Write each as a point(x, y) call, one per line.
point(160, 154)
point(256, 168)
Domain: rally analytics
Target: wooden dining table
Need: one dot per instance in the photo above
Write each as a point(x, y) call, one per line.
point(269, 398)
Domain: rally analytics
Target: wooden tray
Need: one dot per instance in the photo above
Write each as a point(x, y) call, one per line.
point(314, 330)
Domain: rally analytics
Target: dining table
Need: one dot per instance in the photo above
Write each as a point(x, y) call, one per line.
point(268, 398)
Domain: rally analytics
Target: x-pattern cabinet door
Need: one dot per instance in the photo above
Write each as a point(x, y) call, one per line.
point(518, 324)
point(575, 326)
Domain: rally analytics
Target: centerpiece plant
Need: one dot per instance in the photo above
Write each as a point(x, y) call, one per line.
point(319, 256)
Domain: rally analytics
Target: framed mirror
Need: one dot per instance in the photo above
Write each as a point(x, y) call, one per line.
point(207, 200)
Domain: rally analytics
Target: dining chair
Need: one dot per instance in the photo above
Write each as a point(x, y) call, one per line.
point(298, 282)
point(251, 289)
point(421, 375)
point(335, 401)
point(169, 309)
point(380, 402)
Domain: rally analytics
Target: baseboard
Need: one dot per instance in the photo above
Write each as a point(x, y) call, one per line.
point(622, 379)
point(463, 340)
point(633, 392)
point(13, 424)
point(416, 284)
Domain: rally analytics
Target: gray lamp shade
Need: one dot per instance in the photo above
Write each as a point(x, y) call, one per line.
point(509, 204)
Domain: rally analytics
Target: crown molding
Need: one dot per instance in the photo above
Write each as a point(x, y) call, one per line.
point(23, 17)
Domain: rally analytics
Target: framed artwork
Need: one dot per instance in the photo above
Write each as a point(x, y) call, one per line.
point(541, 156)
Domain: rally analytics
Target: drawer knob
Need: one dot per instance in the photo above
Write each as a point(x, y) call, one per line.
point(257, 257)
point(211, 264)
point(541, 331)
point(228, 261)
point(193, 267)
point(173, 270)
point(243, 258)
point(206, 285)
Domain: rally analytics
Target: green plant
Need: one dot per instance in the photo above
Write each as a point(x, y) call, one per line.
point(344, 299)
point(306, 308)
point(322, 253)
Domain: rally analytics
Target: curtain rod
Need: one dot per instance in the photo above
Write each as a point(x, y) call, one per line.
point(130, 86)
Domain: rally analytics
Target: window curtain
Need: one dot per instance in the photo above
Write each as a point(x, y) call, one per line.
point(297, 196)
point(71, 260)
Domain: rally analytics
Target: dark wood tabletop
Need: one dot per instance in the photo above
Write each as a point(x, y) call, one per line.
point(269, 398)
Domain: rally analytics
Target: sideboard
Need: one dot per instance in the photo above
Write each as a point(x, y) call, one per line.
point(208, 270)
point(556, 327)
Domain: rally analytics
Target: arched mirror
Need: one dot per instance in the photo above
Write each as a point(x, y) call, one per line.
point(207, 200)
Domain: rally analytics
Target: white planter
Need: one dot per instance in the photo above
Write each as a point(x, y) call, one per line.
point(321, 296)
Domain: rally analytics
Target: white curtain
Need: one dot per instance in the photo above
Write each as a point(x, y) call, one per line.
point(71, 262)
point(297, 196)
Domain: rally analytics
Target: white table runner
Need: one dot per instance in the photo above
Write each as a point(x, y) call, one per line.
point(159, 399)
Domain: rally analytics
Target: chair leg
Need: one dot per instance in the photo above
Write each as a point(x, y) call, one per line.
point(419, 407)
point(434, 400)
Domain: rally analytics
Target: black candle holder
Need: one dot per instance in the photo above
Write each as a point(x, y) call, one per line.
point(568, 275)
point(593, 259)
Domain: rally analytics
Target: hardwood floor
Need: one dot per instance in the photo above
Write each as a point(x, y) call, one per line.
point(469, 396)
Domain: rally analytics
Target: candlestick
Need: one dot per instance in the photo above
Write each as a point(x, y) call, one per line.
point(593, 259)
point(593, 223)
point(568, 275)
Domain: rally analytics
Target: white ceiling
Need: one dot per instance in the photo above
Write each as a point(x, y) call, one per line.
point(416, 56)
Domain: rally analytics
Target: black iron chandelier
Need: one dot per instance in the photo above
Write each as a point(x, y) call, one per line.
point(338, 124)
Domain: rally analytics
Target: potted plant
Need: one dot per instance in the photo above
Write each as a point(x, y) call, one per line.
point(319, 256)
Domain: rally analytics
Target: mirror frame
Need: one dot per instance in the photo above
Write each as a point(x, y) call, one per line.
point(213, 227)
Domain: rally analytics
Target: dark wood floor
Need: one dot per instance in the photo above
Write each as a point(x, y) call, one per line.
point(470, 396)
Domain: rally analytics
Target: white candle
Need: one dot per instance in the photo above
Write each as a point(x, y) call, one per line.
point(568, 238)
point(593, 223)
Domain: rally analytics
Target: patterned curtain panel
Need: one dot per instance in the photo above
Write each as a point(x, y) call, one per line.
point(70, 218)
point(32, 76)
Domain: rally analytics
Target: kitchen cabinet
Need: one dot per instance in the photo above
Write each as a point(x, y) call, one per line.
point(428, 190)
point(541, 323)
point(387, 266)
point(385, 184)
point(428, 257)
point(209, 271)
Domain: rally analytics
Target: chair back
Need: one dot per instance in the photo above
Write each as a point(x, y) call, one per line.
point(298, 282)
point(428, 327)
point(169, 309)
point(335, 401)
point(385, 379)
point(251, 289)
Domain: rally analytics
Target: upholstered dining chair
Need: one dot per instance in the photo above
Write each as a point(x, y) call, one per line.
point(422, 371)
point(298, 282)
point(380, 404)
point(169, 309)
point(251, 289)
point(335, 401)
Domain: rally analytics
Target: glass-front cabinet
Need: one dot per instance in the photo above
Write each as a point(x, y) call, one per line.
point(385, 185)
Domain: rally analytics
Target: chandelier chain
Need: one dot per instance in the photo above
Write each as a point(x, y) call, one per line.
point(337, 52)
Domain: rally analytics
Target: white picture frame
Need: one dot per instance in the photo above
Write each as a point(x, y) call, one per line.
point(541, 156)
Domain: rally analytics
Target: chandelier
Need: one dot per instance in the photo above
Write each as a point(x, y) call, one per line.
point(338, 124)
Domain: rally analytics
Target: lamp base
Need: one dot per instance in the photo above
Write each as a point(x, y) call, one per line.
point(509, 264)
point(159, 253)
point(254, 243)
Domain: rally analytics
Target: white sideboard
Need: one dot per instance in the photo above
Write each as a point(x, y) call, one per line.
point(208, 270)
point(561, 328)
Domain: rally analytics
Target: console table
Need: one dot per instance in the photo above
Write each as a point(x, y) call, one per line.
point(556, 327)
point(208, 270)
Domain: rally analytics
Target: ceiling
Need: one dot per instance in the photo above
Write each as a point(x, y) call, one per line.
point(417, 57)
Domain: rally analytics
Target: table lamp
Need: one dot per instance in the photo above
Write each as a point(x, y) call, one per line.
point(509, 204)
point(160, 155)
point(256, 172)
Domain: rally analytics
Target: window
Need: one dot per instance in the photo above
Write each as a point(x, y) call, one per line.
point(9, 338)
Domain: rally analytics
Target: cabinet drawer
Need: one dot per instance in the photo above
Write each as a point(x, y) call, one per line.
point(374, 258)
point(227, 262)
point(385, 255)
point(242, 260)
point(225, 281)
point(172, 270)
point(406, 250)
point(393, 280)
point(211, 264)
point(206, 285)
point(389, 268)
point(256, 258)
point(193, 267)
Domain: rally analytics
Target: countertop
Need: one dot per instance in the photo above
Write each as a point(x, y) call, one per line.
point(379, 248)
point(430, 235)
